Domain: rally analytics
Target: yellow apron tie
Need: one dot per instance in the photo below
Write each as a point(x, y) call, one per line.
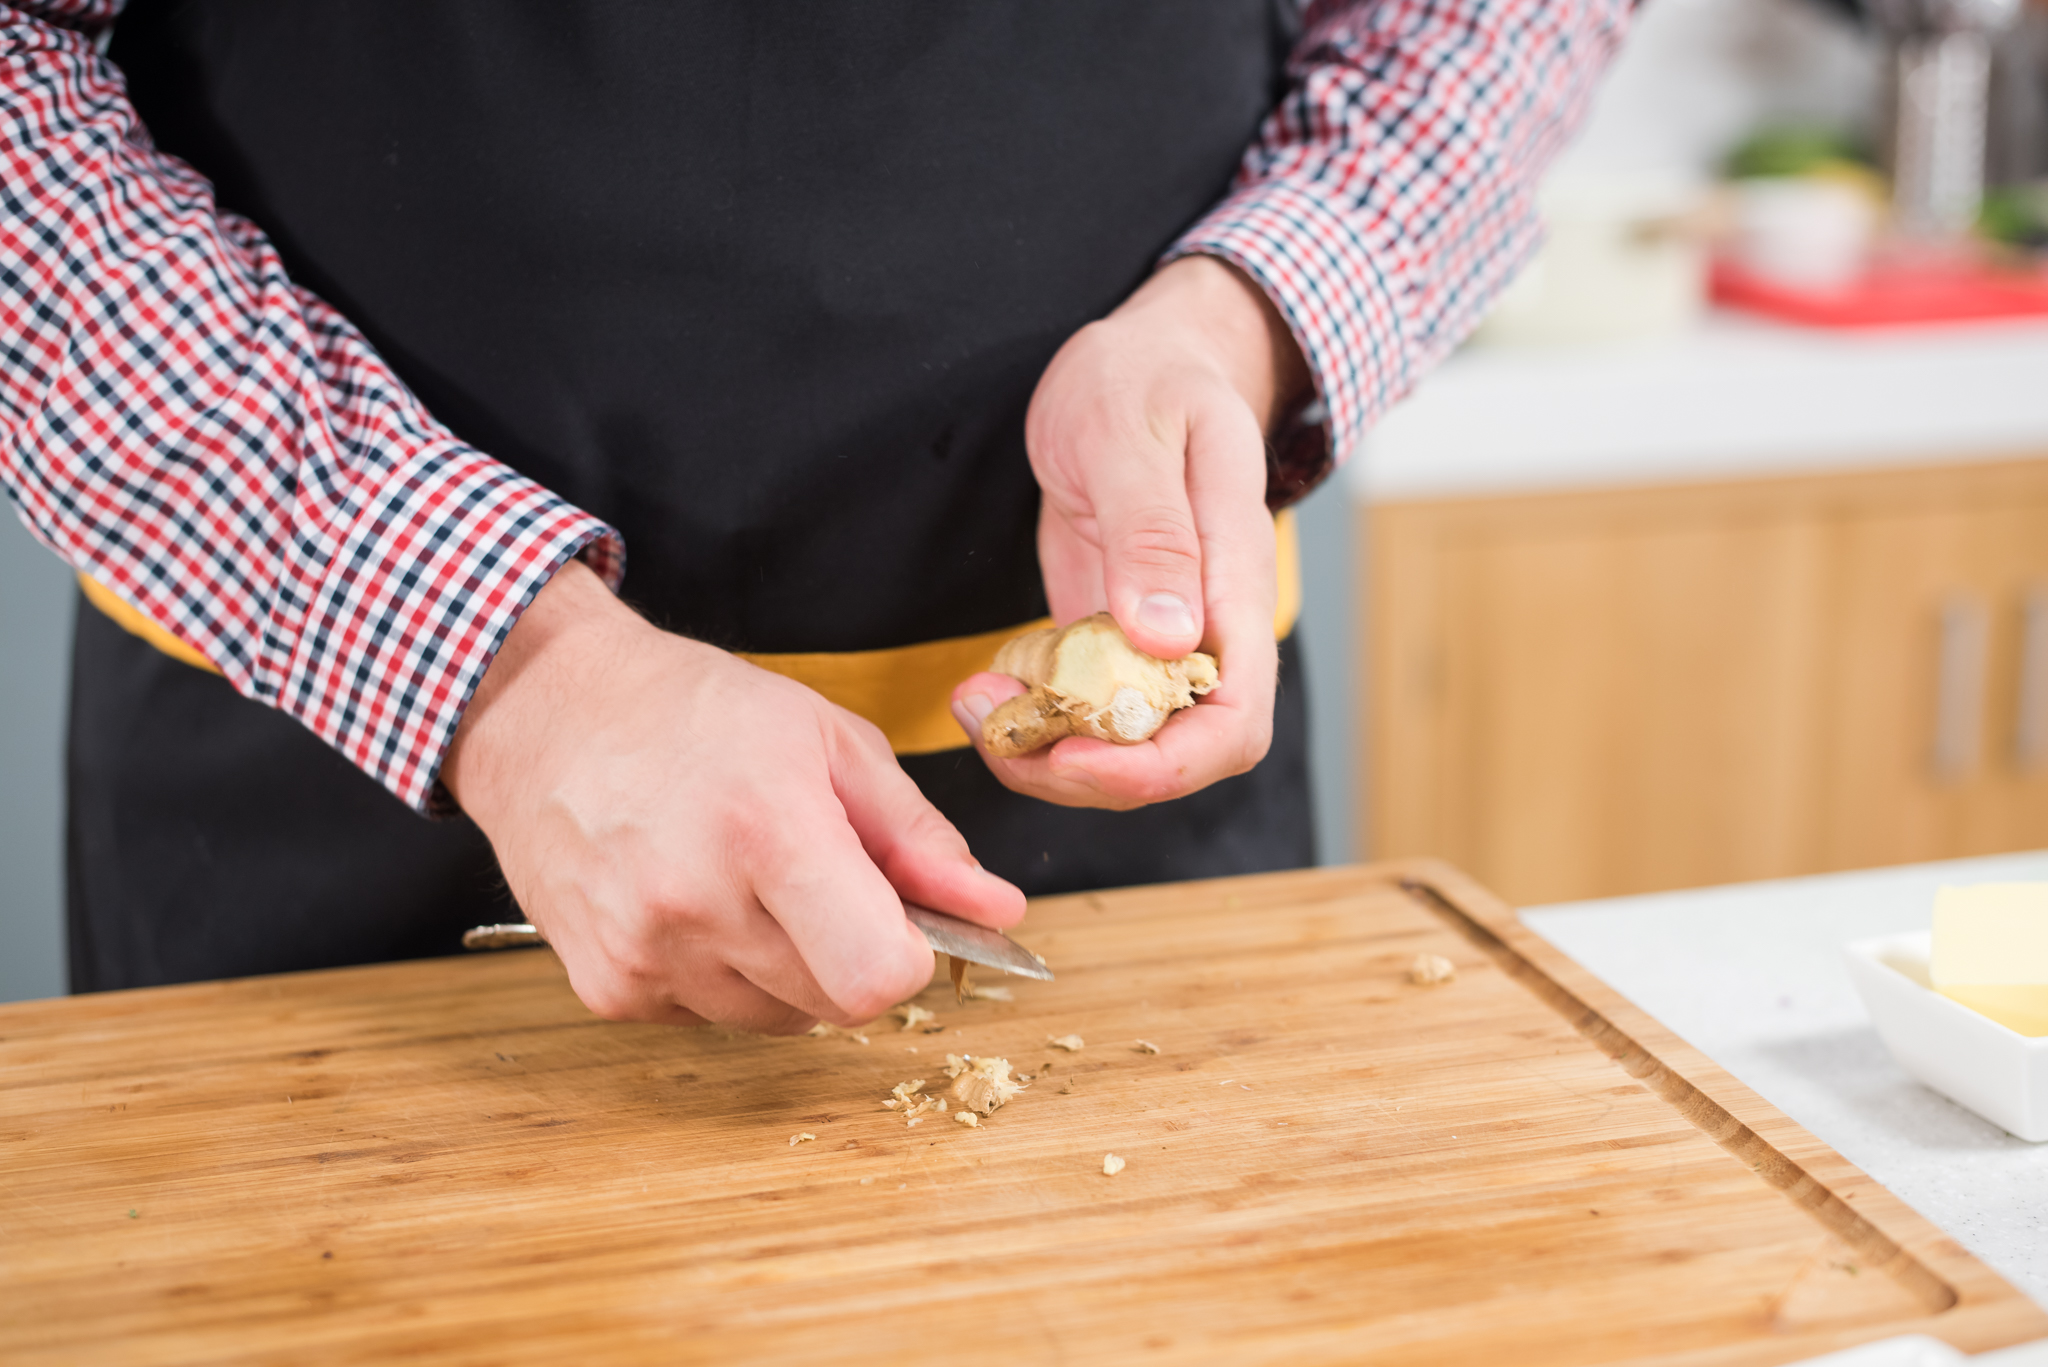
point(133, 622)
point(906, 690)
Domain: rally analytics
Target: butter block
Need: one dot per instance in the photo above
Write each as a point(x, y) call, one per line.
point(1991, 952)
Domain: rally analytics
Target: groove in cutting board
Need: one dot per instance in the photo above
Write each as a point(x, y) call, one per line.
point(1712, 1118)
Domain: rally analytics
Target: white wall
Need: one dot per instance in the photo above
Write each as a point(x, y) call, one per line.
point(35, 644)
point(1697, 76)
point(1336, 693)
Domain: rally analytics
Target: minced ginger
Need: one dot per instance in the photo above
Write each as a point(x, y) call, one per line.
point(1073, 1044)
point(824, 1030)
point(916, 1017)
point(906, 1097)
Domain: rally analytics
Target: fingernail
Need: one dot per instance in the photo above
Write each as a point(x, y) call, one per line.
point(1167, 613)
point(978, 706)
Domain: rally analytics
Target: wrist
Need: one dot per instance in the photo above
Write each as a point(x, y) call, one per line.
point(1229, 319)
point(574, 623)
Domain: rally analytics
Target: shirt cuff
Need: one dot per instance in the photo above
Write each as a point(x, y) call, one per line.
point(412, 605)
point(1322, 276)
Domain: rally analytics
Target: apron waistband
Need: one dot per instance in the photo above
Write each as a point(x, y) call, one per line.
point(904, 690)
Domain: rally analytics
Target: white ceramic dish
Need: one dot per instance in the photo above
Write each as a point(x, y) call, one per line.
point(2000, 1074)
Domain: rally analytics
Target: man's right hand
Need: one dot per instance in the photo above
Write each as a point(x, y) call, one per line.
point(700, 839)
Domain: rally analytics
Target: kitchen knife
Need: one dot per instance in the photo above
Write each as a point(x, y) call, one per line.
point(946, 934)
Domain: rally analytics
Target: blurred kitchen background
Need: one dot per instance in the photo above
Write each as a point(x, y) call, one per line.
point(1721, 554)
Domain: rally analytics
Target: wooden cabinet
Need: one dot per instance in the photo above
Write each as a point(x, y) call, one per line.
point(1587, 694)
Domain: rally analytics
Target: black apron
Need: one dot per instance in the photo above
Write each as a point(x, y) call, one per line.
point(766, 287)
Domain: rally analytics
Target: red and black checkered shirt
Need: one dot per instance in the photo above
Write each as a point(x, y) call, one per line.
point(220, 448)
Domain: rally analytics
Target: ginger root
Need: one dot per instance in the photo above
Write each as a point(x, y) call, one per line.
point(1086, 679)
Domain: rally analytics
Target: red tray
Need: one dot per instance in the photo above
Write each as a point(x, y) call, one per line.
point(1890, 294)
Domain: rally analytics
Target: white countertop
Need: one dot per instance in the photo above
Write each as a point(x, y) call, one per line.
point(1735, 398)
point(1752, 976)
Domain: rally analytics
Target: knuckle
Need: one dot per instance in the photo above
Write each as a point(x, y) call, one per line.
point(1159, 535)
point(1157, 562)
point(610, 1001)
point(925, 828)
point(752, 834)
point(640, 966)
point(855, 739)
point(636, 978)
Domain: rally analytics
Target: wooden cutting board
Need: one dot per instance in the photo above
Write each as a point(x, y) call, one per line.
point(453, 1162)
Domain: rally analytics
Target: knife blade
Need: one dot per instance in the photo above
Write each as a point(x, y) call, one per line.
point(944, 933)
point(976, 944)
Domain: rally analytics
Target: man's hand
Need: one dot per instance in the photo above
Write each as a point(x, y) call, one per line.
point(700, 839)
point(1147, 434)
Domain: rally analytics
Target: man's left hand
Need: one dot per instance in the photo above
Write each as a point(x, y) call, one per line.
point(1147, 435)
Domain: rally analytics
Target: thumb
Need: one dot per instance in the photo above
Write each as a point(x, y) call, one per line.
point(1151, 554)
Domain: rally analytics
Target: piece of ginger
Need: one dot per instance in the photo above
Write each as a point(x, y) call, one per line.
point(1431, 969)
point(904, 1094)
point(1073, 1044)
point(824, 1031)
point(965, 989)
point(906, 1099)
point(1087, 679)
point(981, 1084)
point(914, 1016)
point(1111, 1165)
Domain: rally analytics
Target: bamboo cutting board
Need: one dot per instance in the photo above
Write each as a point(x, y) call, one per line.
point(453, 1162)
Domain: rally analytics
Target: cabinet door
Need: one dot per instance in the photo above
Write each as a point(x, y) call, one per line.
point(1602, 693)
point(1929, 755)
point(1599, 694)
